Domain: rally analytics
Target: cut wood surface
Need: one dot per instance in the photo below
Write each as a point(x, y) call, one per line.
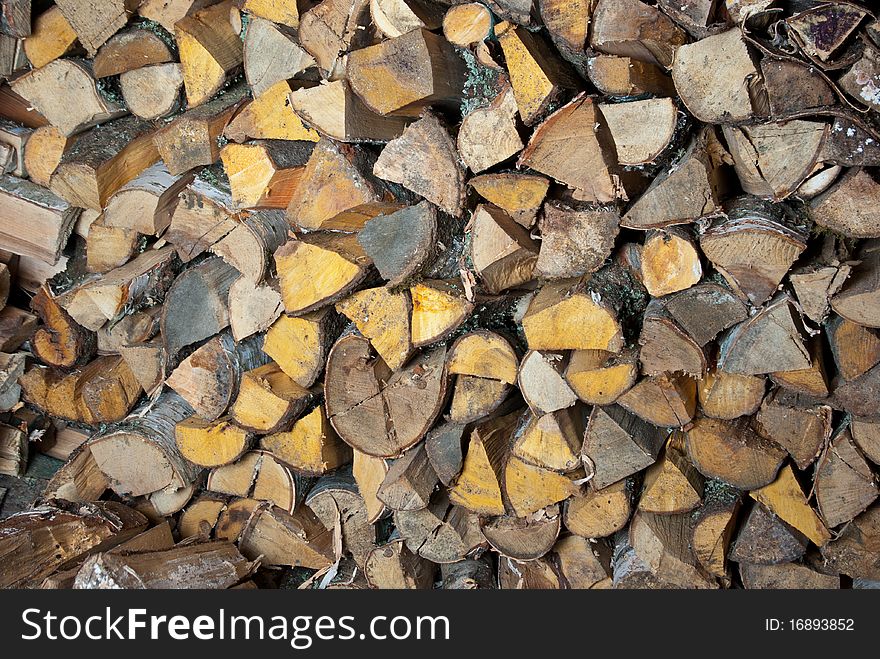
point(352, 294)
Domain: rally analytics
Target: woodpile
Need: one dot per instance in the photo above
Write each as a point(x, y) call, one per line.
point(426, 293)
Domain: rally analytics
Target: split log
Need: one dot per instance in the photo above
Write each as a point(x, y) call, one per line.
point(409, 482)
point(663, 400)
point(122, 290)
point(484, 364)
point(424, 159)
point(811, 381)
point(851, 552)
point(382, 316)
point(441, 533)
point(109, 247)
point(656, 554)
point(618, 444)
point(857, 299)
point(488, 135)
point(566, 317)
point(206, 565)
point(634, 29)
point(209, 379)
point(268, 399)
point(689, 189)
point(589, 170)
point(845, 485)
point(16, 327)
point(95, 23)
point(129, 50)
point(574, 242)
point(396, 17)
point(787, 575)
point(210, 49)
point(271, 52)
point(785, 499)
point(377, 412)
point(104, 160)
point(754, 246)
point(670, 262)
point(665, 348)
point(539, 574)
point(336, 502)
point(338, 258)
point(520, 195)
point(866, 435)
point(38, 222)
point(767, 342)
point(64, 91)
point(137, 327)
point(203, 215)
point(600, 513)
point(43, 152)
point(598, 377)
point(435, 75)
point(705, 310)
point(13, 451)
point(148, 362)
point(270, 116)
point(336, 179)
point(102, 391)
point(551, 441)
point(394, 566)
point(801, 429)
point(627, 77)
point(146, 203)
point(152, 92)
point(848, 207)
point(773, 160)
point(764, 539)
point(717, 79)
point(311, 445)
point(199, 292)
point(279, 538)
point(539, 80)
point(479, 485)
point(543, 384)
point(628, 123)
point(263, 174)
point(252, 308)
point(729, 395)
point(444, 446)
point(502, 251)
point(335, 111)
point(524, 538)
point(438, 309)
point(260, 476)
point(713, 526)
point(467, 24)
point(210, 443)
point(61, 342)
point(191, 139)
point(408, 244)
point(139, 456)
point(732, 452)
point(60, 534)
point(250, 245)
point(672, 484)
point(330, 30)
point(299, 345)
point(369, 474)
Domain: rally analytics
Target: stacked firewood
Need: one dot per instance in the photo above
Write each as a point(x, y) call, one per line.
point(422, 293)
